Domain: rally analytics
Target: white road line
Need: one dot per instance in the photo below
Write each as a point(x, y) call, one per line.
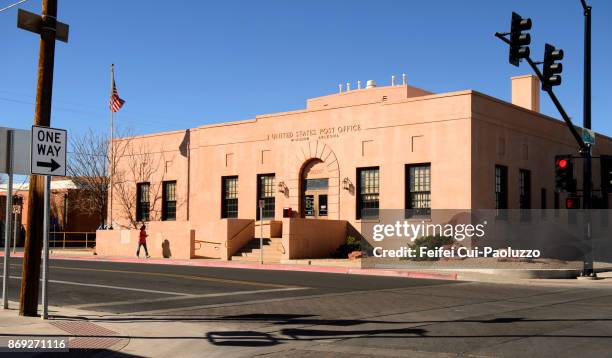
point(115, 287)
point(269, 300)
point(189, 308)
point(166, 299)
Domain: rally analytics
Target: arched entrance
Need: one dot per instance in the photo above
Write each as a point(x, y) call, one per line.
point(314, 190)
point(315, 160)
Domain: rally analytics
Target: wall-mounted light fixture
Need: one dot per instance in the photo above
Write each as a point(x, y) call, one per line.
point(346, 183)
point(282, 187)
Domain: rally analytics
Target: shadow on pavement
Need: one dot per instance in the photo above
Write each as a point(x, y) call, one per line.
point(314, 329)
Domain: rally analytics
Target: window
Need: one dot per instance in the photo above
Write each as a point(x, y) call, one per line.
point(418, 190)
point(142, 202)
point(524, 189)
point(367, 198)
point(543, 198)
point(265, 192)
point(317, 184)
point(501, 187)
point(169, 200)
point(229, 197)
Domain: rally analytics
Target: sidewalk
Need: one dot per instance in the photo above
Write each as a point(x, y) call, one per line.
point(353, 267)
point(93, 333)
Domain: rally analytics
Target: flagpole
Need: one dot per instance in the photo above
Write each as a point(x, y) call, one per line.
point(111, 148)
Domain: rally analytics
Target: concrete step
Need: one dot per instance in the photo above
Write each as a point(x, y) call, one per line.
point(255, 259)
point(272, 250)
point(256, 254)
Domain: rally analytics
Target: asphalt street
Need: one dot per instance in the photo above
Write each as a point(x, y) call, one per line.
point(134, 288)
point(200, 311)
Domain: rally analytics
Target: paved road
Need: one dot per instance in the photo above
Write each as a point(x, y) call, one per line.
point(135, 288)
point(197, 311)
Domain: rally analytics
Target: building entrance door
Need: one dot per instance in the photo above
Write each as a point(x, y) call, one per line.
point(315, 204)
point(314, 191)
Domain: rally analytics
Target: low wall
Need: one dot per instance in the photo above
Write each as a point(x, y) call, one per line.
point(271, 228)
point(312, 238)
point(174, 240)
point(239, 233)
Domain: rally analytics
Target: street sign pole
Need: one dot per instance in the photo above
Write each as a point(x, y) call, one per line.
point(45, 257)
point(261, 205)
point(8, 221)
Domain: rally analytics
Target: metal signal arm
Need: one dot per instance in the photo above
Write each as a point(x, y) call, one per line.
point(553, 97)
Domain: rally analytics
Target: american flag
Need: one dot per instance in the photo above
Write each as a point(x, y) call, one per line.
point(115, 101)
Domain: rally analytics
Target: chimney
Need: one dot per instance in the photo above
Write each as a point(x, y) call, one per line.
point(526, 92)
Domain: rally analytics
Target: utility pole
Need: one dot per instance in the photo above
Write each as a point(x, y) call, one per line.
point(587, 184)
point(30, 280)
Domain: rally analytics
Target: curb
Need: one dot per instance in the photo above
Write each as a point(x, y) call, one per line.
point(255, 266)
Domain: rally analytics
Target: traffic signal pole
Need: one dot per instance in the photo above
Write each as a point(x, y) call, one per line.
point(520, 46)
point(588, 155)
point(30, 280)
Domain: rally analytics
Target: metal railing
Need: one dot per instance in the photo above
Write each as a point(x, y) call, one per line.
point(71, 239)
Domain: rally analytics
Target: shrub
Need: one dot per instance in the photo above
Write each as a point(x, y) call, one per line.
point(352, 244)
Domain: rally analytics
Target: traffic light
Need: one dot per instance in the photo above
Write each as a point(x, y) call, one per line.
point(564, 174)
point(519, 41)
point(606, 173)
point(551, 69)
point(572, 202)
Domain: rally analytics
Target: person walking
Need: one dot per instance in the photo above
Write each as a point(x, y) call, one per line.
point(142, 241)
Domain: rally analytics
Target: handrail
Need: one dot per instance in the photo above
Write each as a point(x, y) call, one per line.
point(208, 242)
point(71, 232)
point(282, 247)
point(205, 242)
point(53, 234)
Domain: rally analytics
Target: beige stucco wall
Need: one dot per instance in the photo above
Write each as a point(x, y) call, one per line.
point(512, 136)
point(165, 239)
point(307, 238)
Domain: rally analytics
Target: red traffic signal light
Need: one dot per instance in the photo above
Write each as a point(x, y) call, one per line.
point(564, 174)
point(562, 163)
point(572, 202)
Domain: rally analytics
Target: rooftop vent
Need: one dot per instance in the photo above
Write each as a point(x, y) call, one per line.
point(370, 84)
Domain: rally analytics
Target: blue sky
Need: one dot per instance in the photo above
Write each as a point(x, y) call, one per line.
point(180, 64)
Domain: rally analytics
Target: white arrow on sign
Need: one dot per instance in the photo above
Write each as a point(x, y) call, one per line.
point(48, 151)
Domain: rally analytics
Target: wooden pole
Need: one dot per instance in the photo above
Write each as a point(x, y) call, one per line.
point(30, 280)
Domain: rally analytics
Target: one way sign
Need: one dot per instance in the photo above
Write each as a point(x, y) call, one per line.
point(48, 151)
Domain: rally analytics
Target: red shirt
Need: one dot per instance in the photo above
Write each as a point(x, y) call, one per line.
point(142, 237)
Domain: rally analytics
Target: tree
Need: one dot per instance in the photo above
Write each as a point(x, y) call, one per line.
point(138, 165)
point(89, 160)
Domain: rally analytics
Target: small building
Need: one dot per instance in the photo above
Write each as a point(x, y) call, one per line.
point(318, 172)
point(67, 212)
